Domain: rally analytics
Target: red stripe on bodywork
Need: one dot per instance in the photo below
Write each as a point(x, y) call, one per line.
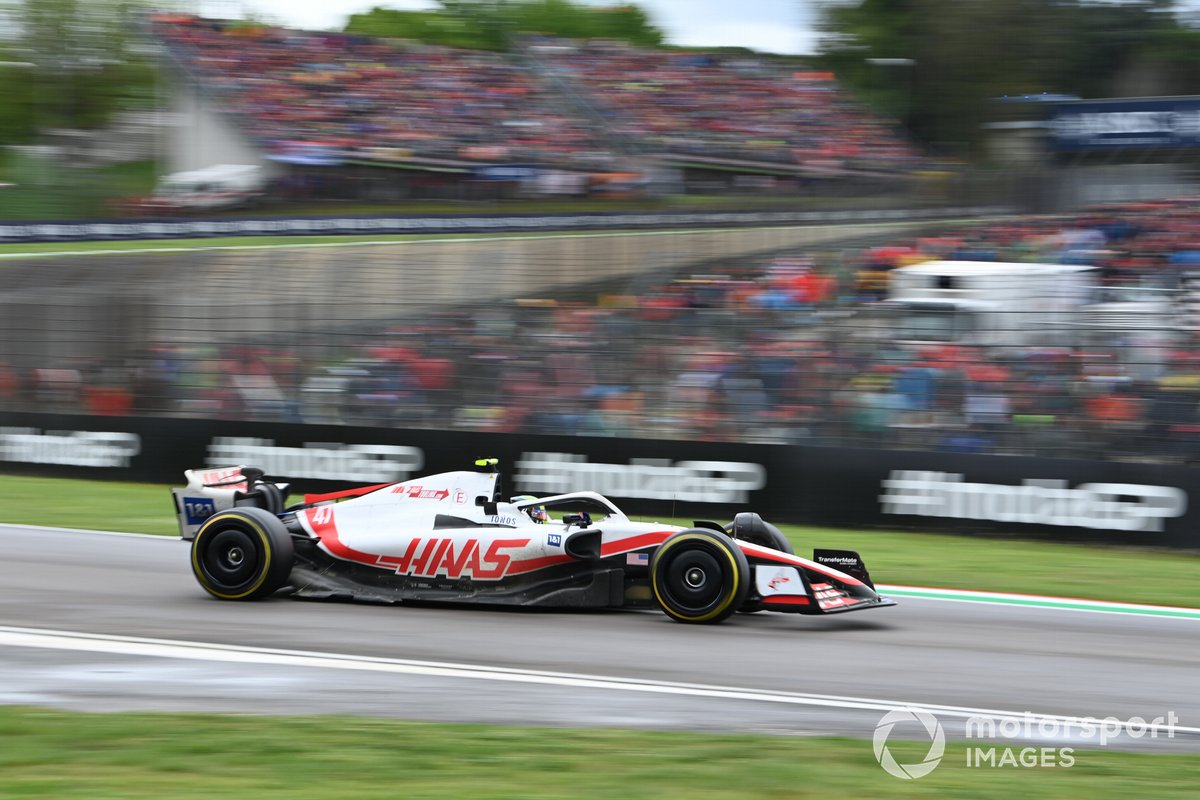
point(613, 548)
point(320, 520)
point(531, 564)
point(618, 546)
point(786, 600)
point(767, 554)
point(358, 491)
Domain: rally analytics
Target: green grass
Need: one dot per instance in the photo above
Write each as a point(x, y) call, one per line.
point(99, 505)
point(130, 177)
point(46, 190)
point(917, 559)
point(571, 205)
point(119, 246)
point(53, 754)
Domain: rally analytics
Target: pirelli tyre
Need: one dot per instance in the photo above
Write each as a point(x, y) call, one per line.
point(699, 575)
point(242, 554)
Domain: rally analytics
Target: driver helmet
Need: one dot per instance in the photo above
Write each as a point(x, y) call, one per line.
point(536, 513)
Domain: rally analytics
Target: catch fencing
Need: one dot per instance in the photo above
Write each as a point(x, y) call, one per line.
point(759, 335)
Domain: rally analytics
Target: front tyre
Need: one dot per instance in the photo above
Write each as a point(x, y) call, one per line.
point(699, 575)
point(242, 554)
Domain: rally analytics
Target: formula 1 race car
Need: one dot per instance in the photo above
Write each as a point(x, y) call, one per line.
point(451, 538)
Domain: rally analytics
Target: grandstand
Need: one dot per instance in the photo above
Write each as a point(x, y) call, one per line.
point(344, 114)
point(703, 110)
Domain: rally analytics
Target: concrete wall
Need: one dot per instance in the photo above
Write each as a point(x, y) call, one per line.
point(113, 306)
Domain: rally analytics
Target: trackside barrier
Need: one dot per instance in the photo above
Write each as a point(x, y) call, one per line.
point(1073, 500)
point(77, 231)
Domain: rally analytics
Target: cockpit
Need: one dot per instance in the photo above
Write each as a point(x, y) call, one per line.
point(582, 509)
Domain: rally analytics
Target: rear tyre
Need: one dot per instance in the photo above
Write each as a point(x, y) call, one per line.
point(242, 554)
point(699, 576)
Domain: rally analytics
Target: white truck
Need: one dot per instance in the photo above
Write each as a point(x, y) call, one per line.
point(990, 304)
point(217, 187)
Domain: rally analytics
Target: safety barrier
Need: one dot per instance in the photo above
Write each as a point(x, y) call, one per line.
point(1073, 500)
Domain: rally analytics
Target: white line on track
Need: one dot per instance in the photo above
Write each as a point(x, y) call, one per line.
point(1016, 600)
point(204, 651)
point(16, 528)
point(970, 594)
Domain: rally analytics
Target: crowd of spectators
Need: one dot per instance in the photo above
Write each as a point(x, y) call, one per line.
point(726, 106)
point(783, 349)
point(321, 98)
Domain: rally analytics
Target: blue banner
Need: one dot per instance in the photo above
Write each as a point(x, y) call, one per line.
point(1126, 124)
point(507, 172)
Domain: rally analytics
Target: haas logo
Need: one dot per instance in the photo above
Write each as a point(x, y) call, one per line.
point(430, 558)
point(779, 580)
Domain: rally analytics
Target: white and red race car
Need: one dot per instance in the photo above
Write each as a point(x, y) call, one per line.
point(450, 538)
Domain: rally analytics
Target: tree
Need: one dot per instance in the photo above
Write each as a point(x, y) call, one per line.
point(490, 24)
point(967, 53)
point(16, 99)
point(74, 64)
point(433, 27)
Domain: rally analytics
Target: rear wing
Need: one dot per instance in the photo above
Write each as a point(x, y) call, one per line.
point(209, 491)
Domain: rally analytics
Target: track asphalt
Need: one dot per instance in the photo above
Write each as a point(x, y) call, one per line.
point(94, 622)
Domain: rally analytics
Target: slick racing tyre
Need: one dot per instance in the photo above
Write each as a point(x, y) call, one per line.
point(750, 527)
point(699, 575)
point(242, 554)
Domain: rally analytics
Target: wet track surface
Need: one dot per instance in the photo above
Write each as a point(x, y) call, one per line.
point(922, 652)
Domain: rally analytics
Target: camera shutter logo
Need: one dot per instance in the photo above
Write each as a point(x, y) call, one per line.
point(932, 727)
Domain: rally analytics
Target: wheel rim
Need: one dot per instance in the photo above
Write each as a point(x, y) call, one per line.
point(231, 559)
point(694, 581)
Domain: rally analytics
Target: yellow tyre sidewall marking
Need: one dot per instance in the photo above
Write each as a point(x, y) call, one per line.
point(725, 551)
point(266, 549)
